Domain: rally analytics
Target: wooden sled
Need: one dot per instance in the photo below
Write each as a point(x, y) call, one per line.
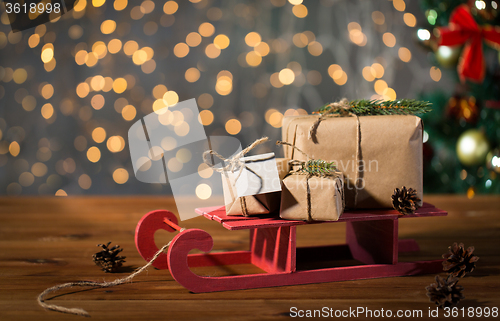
point(371, 238)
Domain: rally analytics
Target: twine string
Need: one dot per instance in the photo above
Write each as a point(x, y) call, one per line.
point(81, 312)
point(342, 109)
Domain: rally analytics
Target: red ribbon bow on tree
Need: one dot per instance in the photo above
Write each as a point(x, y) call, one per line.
point(464, 29)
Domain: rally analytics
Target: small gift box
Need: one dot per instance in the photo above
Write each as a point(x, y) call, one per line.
point(254, 188)
point(312, 198)
point(251, 184)
point(312, 190)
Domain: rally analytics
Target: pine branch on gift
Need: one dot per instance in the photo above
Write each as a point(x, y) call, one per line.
point(459, 261)
point(445, 292)
point(108, 259)
point(364, 107)
point(319, 167)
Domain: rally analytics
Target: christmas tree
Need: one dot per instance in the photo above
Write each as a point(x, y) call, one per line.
point(462, 133)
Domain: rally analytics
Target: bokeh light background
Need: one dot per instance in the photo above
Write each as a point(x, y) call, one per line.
point(71, 89)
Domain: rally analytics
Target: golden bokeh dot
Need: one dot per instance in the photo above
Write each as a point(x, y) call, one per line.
point(206, 29)
point(253, 39)
point(181, 50)
point(342, 79)
point(171, 98)
point(205, 101)
point(47, 91)
point(120, 176)
point(233, 126)
point(98, 3)
point(99, 134)
point(262, 48)
point(81, 57)
point(184, 155)
point(205, 171)
point(410, 19)
point(97, 101)
point(378, 17)
point(368, 74)
point(389, 39)
point(119, 85)
point(130, 47)
point(389, 94)
point(33, 40)
point(97, 82)
point(192, 74)
point(206, 117)
point(26, 179)
point(300, 11)
point(193, 39)
point(129, 112)
point(29, 103)
point(221, 41)
point(20, 75)
point(61, 192)
point(212, 51)
point(224, 86)
point(170, 7)
point(300, 40)
point(150, 28)
point(315, 48)
point(174, 165)
point(253, 58)
point(286, 76)
point(275, 119)
point(139, 57)
point(275, 80)
point(182, 129)
point(114, 46)
point(47, 53)
point(119, 5)
point(399, 5)
point(203, 191)
point(108, 26)
point(14, 149)
point(93, 154)
point(84, 181)
point(435, 73)
point(149, 66)
point(147, 6)
point(47, 111)
point(334, 71)
point(115, 144)
point(379, 86)
point(404, 54)
point(159, 91)
point(378, 69)
point(39, 169)
point(295, 2)
point(314, 77)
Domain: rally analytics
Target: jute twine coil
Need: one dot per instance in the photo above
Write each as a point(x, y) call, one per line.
point(81, 312)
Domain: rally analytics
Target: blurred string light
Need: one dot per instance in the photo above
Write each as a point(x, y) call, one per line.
point(128, 59)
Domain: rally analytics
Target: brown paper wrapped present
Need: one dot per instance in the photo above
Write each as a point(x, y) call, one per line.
point(312, 198)
point(388, 150)
point(250, 184)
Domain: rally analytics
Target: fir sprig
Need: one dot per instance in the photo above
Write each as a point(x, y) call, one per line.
point(364, 107)
point(319, 167)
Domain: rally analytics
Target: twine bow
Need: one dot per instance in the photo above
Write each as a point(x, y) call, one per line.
point(310, 168)
point(341, 106)
point(233, 164)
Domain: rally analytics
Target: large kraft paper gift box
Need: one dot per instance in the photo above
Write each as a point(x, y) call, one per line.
point(388, 149)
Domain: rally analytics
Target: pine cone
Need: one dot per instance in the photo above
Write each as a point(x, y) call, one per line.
point(445, 293)
point(405, 201)
point(108, 259)
point(459, 261)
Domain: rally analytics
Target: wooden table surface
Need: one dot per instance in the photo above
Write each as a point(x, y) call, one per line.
point(47, 241)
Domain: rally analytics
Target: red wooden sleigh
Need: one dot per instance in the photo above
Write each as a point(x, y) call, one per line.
point(371, 238)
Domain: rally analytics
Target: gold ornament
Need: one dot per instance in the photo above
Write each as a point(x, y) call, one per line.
point(472, 147)
point(448, 56)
